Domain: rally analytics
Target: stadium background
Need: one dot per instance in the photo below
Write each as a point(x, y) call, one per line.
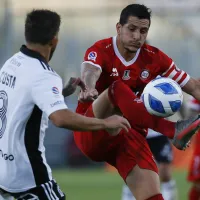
point(175, 30)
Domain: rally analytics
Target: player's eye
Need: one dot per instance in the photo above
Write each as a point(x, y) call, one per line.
point(132, 28)
point(143, 31)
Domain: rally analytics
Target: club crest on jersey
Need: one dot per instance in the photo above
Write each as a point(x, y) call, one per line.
point(126, 75)
point(144, 74)
point(55, 90)
point(92, 56)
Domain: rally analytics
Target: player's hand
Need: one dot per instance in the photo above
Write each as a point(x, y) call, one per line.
point(71, 86)
point(88, 95)
point(115, 123)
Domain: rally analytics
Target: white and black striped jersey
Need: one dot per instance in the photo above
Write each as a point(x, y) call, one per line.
point(30, 90)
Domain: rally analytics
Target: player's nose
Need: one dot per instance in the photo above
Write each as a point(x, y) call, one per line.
point(136, 35)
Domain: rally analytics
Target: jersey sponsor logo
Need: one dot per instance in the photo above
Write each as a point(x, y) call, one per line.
point(55, 90)
point(56, 103)
point(145, 74)
point(92, 56)
point(114, 72)
point(6, 156)
point(126, 75)
point(15, 62)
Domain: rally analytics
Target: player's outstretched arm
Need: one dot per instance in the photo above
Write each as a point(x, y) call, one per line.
point(70, 120)
point(89, 74)
point(71, 86)
point(192, 87)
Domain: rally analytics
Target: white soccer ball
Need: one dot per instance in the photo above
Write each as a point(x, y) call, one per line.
point(162, 97)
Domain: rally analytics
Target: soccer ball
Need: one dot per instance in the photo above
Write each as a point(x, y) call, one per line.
point(162, 97)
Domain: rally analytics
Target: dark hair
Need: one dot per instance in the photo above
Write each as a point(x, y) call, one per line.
point(137, 10)
point(41, 26)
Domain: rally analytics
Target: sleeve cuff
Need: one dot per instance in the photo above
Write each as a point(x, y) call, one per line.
point(56, 108)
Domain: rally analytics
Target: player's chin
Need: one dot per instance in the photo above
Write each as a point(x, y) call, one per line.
point(132, 49)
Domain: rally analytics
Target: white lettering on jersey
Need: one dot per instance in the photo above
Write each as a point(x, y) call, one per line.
point(7, 79)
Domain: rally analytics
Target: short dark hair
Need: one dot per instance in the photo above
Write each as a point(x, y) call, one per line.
point(41, 26)
point(137, 10)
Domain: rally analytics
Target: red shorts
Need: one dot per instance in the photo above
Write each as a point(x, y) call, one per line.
point(194, 170)
point(123, 151)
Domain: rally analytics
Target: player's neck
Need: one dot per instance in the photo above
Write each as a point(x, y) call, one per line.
point(41, 49)
point(127, 55)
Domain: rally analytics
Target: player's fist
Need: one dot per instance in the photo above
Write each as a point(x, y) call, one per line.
point(88, 95)
point(71, 86)
point(115, 123)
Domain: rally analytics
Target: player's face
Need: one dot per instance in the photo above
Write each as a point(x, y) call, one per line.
point(133, 34)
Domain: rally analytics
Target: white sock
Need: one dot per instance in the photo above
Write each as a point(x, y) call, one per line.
point(127, 194)
point(169, 190)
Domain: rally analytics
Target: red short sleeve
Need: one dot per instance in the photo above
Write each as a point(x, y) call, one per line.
point(94, 56)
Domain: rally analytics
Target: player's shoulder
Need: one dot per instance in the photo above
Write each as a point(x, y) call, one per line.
point(34, 65)
point(44, 70)
point(154, 54)
point(150, 50)
point(102, 44)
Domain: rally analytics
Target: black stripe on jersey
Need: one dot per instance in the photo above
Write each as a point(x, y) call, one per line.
point(32, 137)
point(43, 65)
point(46, 66)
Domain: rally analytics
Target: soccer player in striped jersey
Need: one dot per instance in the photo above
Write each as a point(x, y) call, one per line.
point(124, 64)
point(30, 94)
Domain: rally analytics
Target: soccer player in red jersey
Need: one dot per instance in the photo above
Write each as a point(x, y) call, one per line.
point(124, 64)
point(194, 170)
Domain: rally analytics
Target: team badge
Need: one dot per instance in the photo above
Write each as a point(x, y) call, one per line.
point(92, 56)
point(126, 75)
point(55, 90)
point(144, 74)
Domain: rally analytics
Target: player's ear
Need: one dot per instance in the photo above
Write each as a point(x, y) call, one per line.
point(118, 28)
point(54, 42)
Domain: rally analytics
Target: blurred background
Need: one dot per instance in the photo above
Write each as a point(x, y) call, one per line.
point(175, 30)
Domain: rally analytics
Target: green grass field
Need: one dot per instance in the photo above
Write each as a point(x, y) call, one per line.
point(101, 185)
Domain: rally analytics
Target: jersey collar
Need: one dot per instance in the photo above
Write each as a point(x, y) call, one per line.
point(32, 53)
point(117, 53)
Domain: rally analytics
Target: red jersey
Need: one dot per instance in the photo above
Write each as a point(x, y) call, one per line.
point(148, 63)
